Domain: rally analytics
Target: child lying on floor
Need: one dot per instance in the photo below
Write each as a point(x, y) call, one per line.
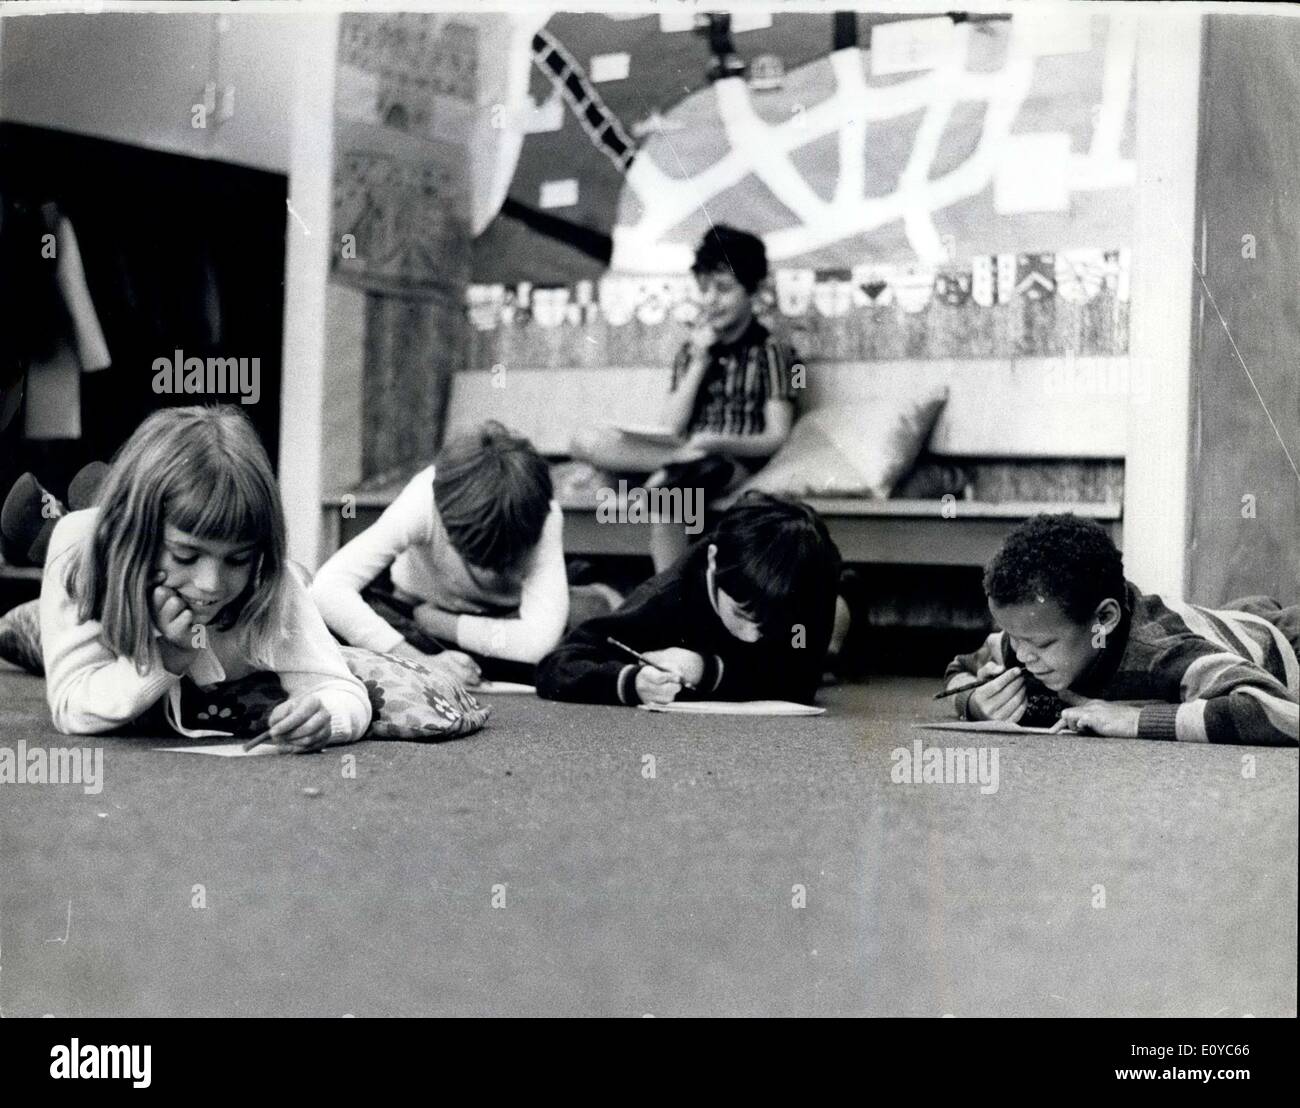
point(470, 555)
point(1077, 639)
point(180, 574)
point(745, 614)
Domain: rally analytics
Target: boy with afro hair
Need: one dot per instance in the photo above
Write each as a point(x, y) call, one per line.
point(1080, 644)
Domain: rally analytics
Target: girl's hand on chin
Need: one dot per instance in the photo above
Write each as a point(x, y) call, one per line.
point(175, 622)
point(171, 615)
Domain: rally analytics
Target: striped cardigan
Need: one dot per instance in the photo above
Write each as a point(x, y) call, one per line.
point(1220, 676)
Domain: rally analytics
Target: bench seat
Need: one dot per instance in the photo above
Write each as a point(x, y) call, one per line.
point(906, 532)
point(903, 532)
point(1031, 411)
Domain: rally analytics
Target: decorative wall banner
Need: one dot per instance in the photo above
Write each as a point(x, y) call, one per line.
point(1077, 276)
point(394, 226)
point(956, 148)
point(414, 55)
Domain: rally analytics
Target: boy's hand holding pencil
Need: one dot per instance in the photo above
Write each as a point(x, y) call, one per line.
point(999, 693)
point(664, 673)
point(657, 686)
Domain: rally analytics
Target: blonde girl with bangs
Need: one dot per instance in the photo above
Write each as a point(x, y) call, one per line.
point(179, 571)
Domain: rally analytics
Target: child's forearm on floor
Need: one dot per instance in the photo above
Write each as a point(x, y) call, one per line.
point(349, 714)
point(95, 699)
point(583, 675)
point(1238, 718)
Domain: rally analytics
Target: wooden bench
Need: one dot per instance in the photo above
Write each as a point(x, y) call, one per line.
point(1040, 411)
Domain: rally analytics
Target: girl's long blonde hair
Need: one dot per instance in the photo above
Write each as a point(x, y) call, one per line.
point(203, 470)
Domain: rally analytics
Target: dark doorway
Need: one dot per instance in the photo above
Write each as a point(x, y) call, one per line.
point(179, 254)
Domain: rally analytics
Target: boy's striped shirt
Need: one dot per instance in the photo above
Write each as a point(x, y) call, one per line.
point(1217, 675)
point(742, 377)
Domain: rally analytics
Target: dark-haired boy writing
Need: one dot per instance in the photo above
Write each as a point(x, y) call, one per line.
point(1080, 642)
point(745, 614)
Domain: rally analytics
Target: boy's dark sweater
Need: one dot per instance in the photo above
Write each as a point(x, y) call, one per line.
point(673, 609)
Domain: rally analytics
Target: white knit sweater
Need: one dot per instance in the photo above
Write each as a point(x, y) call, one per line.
point(410, 538)
point(90, 689)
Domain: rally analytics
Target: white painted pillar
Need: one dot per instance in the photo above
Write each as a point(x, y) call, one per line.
point(1161, 320)
point(311, 178)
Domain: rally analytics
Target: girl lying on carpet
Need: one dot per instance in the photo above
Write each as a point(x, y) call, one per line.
point(176, 582)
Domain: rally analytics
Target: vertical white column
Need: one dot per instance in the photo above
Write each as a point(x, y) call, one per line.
point(311, 176)
point(1164, 290)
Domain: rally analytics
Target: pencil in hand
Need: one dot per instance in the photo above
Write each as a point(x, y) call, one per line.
point(966, 688)
point(647, 662)
point(257, 740)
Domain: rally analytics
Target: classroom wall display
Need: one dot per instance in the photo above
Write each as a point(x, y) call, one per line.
point(1035, 305)
point(1076, 276)
point(417, 56)
point(405, 110)
point(405, 105)
point(893, 143)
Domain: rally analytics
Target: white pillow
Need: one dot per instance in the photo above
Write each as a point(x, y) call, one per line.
point(861, 449)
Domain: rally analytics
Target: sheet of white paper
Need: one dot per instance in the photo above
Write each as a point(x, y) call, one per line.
point(735, 708)
point(996, 726)
point(504, 688)
point(649, 434)
point(224, 750)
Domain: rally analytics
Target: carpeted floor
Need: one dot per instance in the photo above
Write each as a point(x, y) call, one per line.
point(625, 895)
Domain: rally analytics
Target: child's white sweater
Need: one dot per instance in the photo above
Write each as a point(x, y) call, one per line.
point(90, 689)
point(410, 538)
